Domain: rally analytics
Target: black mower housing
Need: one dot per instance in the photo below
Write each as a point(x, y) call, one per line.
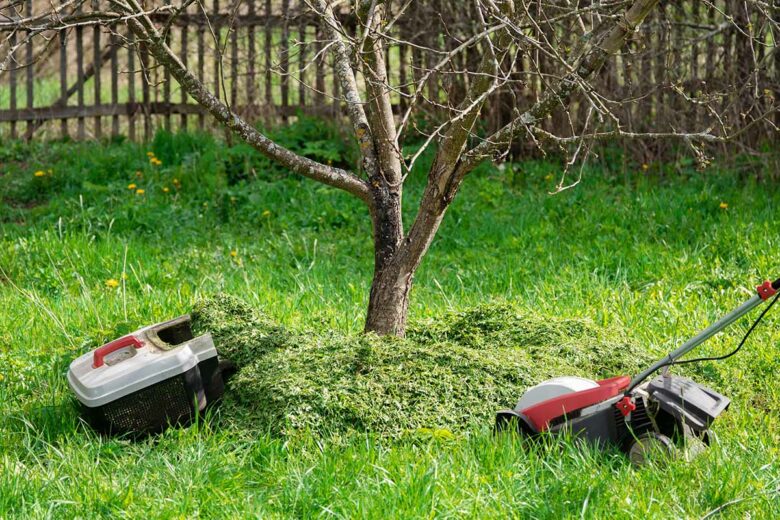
point(669, 405)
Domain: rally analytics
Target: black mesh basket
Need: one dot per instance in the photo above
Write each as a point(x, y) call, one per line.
point(135, 407)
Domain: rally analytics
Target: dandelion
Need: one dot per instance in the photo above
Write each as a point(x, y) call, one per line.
point(645, 167)
point(266, 214)
point(150, 154)
point(155, 161)
point(176, 182)
point(234, 253)
point(112, 283)
point(165, 189)
point(724, 205)
point(131, 186)
point(40, 173)
point(140, 191)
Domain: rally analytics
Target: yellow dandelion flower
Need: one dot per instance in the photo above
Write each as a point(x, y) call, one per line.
point(645, 166)
point(234, 253)
point(131, 186)
point(112, 283)
point(155, 161)
point(40, 173)
point(724, 205)
point(165, 189)
point(266, 214)
point(150, 154)
point(140, 191)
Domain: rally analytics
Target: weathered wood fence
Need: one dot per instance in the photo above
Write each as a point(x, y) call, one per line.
point(266, 60)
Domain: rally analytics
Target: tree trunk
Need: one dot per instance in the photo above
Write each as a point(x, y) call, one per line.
point(389, 301)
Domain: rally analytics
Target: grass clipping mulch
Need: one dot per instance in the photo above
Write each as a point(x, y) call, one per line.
point(448, 374)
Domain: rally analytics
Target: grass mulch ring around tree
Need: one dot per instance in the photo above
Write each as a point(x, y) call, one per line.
point(448, 375)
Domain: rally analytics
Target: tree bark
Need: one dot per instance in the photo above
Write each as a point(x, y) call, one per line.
point(388, 303)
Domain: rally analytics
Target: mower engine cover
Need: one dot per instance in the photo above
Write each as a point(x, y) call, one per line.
point(144, 381)
point(687, 401)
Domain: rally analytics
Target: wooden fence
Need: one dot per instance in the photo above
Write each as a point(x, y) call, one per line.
point(92, 82)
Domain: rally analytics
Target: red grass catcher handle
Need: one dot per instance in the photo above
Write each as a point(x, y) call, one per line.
point(108, 348)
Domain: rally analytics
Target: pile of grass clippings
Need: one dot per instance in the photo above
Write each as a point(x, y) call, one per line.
point(451, 373)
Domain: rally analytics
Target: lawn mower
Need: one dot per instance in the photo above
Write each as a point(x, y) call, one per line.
point(640, 417)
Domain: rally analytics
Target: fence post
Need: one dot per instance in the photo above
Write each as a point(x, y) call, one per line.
point(131, 50)
point(251, 72)
point(269, 96)
point(30, 71)
point(201, 68)
point(81, 131)
point(114, 42)
point(96, 65)
point(185, 61)
point(64, 79)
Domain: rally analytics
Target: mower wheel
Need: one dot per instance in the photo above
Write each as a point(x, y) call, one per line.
point(650, 446)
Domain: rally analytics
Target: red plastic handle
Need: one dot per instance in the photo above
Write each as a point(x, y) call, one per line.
point(768, 289)
point(108, 348)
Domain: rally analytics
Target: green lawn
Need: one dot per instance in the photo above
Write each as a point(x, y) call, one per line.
point(654, 256)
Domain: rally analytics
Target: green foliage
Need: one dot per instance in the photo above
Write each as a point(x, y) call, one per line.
point(452, 374)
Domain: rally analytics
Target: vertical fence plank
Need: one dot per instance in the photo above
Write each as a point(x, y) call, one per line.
point(131, 50)
point(776, 91)
point(30, 70)
point(81, 130)
point(694, 66)
point(319, 79)
point(114, 42)
point(145, 94)
point(96, 64)
point(336, 89)
point(233, 30)
point(402, 78)
point(167, 83)
point(184, 55)
point(201, 67)
point(251, 71)
point(269, 95)
point(302, 85)
point(64, 79)
point(12, 82)
point(217, 25)
point(285, 58)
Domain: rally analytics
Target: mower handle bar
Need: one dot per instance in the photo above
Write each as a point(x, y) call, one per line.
point(703, 336)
